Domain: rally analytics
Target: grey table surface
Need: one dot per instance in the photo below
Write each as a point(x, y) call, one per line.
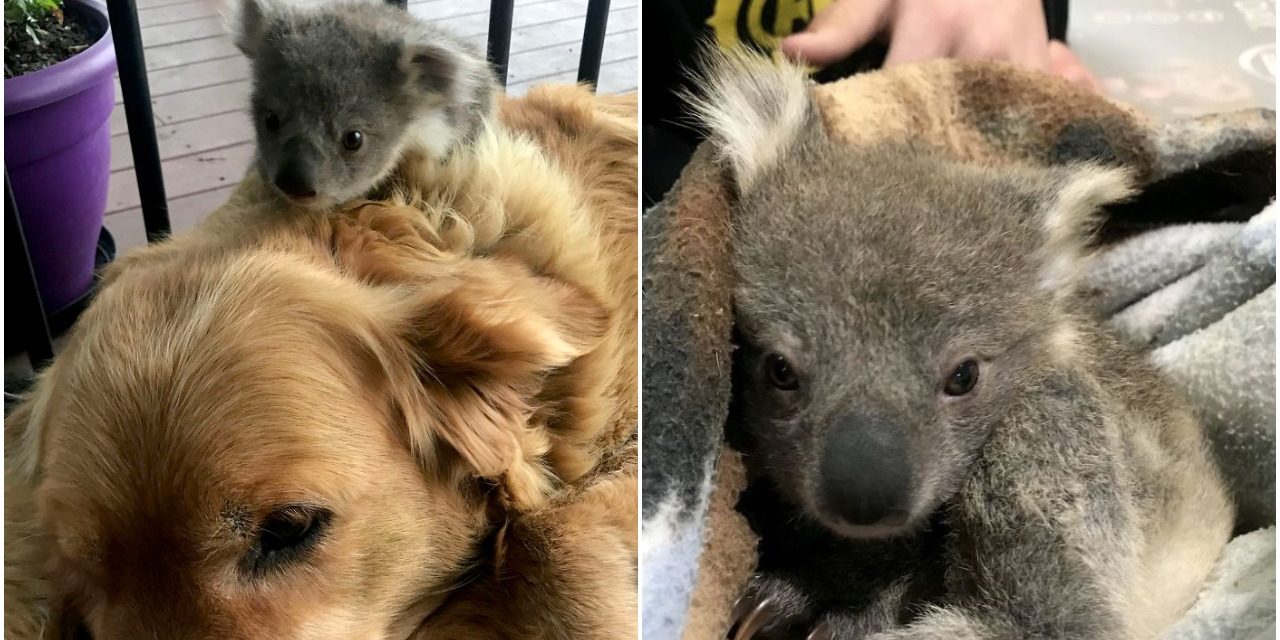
point(1176, 58)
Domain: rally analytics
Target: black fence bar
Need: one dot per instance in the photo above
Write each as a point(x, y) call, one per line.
point(500, 37)
point(142, 123)
point(593, 41)
point(22, 294)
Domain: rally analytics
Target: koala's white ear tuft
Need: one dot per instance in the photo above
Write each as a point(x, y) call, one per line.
point(247, 21)
point(752, 107)
point(1072, 215)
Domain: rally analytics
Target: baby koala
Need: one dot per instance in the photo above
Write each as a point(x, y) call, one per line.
point(343, 92)
point(917, 384)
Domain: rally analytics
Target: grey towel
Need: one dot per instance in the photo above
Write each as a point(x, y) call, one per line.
point(1202, 298)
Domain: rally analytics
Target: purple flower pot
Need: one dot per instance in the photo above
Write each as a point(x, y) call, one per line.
point(57, 148)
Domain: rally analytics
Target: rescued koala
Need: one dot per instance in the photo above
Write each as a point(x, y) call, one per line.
point(918, 389)
point(343, 92)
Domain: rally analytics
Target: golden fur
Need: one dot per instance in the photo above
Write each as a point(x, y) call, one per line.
point(450, 371)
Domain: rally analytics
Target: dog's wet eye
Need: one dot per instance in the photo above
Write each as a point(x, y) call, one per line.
point(781, 374)
point(352, 140)
point(962, 378)
point(271, 121)
point(287, 532)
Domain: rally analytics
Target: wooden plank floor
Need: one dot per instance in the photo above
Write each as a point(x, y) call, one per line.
point(200, 90)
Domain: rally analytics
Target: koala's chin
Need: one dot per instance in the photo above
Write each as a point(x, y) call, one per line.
point(897, 523)
point(318, 202)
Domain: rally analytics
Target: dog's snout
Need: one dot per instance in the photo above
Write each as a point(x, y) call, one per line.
point(866, 471)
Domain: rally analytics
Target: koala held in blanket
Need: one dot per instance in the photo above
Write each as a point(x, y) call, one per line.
point(917, 388)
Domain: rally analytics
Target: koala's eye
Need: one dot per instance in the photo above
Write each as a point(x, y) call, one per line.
point(780, 373)
point(962, 379)
point(271, 121)
point(352, 140)
point(286, 533)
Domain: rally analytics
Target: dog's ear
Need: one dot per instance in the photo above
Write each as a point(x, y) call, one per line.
point(482, 340)
point(24, 430)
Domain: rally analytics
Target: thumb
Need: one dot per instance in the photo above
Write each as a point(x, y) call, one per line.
point(837, 31)
point(1064, 62)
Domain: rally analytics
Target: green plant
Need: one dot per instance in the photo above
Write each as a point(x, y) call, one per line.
point(26, 16)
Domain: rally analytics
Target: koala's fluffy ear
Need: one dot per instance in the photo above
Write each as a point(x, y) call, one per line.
point(430, 69)
point(753, 109)
point(247, 21)
point(1071, 214)
point(482, 340)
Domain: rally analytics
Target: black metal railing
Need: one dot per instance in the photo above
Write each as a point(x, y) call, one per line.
point(27, 316)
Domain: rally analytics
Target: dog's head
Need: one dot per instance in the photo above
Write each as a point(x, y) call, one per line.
point(257, 446)
point(890, 303)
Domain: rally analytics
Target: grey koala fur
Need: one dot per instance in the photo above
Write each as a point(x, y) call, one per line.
point(1068, 494)
point(408, 87)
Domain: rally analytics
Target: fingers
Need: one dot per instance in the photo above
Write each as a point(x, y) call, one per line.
point(1064, 62)
point(1009, 30)
point(837, 31)
point(921, 32)
point(927, 30)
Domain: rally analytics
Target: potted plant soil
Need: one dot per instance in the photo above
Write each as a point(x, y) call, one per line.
point(58, 97)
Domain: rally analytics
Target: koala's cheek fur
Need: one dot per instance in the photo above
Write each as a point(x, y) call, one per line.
point(781, 448)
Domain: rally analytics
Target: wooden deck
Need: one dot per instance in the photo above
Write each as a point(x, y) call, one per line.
point(200, 90)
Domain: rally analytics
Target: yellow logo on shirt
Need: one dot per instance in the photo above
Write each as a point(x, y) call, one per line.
point(760, 24)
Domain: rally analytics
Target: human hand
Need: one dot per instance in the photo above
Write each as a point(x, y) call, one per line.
point(1009, 30)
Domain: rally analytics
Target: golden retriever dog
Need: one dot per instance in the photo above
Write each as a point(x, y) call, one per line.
point(414, 419)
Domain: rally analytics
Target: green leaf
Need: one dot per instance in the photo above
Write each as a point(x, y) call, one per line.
point(25, 16)
point(16, 11)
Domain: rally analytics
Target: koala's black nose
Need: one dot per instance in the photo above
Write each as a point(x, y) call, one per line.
point(866, 472)
point(295, 181)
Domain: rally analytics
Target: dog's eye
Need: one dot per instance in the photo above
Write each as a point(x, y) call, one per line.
point(287, 532)
point(962, 378)
point(780, 373)
point(271, 121)
point(286, 529)
point(352, 140)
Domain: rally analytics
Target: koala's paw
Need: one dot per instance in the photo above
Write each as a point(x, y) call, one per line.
point(845, 626)
point(770, 608)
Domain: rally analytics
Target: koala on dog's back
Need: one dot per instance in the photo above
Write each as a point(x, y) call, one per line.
point(343, 92)
point(912, 358)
